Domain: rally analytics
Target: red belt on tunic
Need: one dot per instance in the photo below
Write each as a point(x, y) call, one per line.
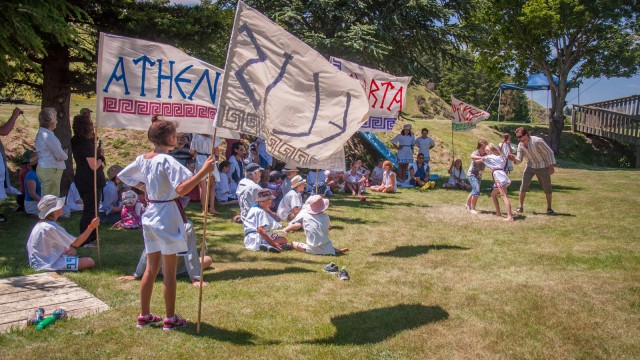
point(178, 203)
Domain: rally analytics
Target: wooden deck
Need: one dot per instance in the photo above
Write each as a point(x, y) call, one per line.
point(21, 295)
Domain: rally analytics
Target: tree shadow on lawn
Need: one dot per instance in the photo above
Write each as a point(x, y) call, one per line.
point(236, 274)
point(238, 337)
point(376, 325)
point(416, 250)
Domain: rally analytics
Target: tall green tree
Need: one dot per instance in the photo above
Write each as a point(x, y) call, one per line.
point(470, 83)
point(574, 39)
point(56, 48)
point(391, 35)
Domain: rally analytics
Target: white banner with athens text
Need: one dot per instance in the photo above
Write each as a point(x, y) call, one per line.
point(138, 79)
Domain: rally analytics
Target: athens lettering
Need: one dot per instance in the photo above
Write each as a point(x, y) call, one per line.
point(163, 76)
point(380, 95)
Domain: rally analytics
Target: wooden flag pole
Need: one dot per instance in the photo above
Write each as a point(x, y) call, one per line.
point(95, 184)
point(204, 232)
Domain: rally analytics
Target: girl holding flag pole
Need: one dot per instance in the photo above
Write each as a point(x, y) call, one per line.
point(165, 180)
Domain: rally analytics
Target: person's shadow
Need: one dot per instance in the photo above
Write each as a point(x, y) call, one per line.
point(416, 250)
point(376, 325)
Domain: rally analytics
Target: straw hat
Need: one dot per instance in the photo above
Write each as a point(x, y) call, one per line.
point(264, 195)
point(317, 204)
point(113, 171)
point(407, 127)
point(49, 204)
point(288, 170)
point(297, 180)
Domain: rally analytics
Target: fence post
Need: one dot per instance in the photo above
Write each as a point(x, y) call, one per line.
point(638, 156)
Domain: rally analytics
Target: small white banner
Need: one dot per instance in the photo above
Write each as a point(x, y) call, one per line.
point(279, 88)
point(465, 116)
point(387, 93)
point(138, 79)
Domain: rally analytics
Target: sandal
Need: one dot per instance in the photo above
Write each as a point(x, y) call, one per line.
point(174, 322)
point(520, 209)
point(144, 320)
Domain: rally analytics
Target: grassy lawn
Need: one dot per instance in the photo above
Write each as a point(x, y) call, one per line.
point(428, 280)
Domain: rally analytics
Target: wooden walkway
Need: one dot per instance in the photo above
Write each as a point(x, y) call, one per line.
point(21, 295)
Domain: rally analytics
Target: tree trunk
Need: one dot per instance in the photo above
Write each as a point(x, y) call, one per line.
point(56, 93)
point(556, 116)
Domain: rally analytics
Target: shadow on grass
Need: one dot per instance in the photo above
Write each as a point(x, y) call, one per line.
point(230, 256)
point(416, 250)
point(556, 214)
point(237, 274)
point(352, 220)
point(376, 325)
point(238, 337)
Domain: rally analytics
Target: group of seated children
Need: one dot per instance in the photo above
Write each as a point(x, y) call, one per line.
point(261, 224)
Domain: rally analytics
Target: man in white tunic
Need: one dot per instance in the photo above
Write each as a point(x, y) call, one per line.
point(248, 188)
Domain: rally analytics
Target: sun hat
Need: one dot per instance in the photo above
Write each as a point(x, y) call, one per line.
point(407, 127)
point(288, 170)
point(26, 155)
point(253, 167)
point(49, 204)
point(317, 204)
point(297, 180)
point(264, 195)
point(129, 198)
point(113, 171)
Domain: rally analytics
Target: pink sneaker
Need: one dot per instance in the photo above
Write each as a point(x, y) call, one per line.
point(174, 322)
point(144, 320)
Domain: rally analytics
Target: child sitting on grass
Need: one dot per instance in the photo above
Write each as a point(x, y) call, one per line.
point(457, 177)
point(50, 246)
point(389, 183)
point(223, 187)
point(496, 161)
point(131, 214)
point(258, 224)
point(316, 228)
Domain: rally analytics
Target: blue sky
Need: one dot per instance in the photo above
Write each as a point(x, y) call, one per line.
point(594, 90)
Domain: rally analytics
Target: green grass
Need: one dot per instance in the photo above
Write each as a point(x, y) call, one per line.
point(428, 280)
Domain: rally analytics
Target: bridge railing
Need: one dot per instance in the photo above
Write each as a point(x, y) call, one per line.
point(629, 105)
point(606, 123)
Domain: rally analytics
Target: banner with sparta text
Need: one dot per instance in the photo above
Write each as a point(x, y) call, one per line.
point(138, 79)
point(387, 94)
point(279, 88)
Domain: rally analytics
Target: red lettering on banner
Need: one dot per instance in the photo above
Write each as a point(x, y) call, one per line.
point(387, 85)
point(397, 98)
point(372, 90)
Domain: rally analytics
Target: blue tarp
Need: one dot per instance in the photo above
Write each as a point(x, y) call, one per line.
point(535, 82)
point(379, 145)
